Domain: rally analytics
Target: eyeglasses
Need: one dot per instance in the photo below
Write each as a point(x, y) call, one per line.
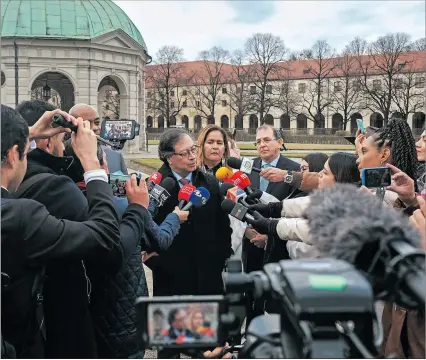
point(304, 168)
point(265, 140)
point(187, 153)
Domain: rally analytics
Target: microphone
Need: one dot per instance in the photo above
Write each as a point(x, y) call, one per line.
point(198, 198)
point(234, 193)
point(236, 210)
point(223, 174)
point(184, 194)
point(160, 193)
point(155, 178)
point(244, 165)
point(356, 227)
point(243, 182)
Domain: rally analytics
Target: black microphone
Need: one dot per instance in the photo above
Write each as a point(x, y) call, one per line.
point(354, 226)
point(244, 164)
point(236, 210)
point(160, 193)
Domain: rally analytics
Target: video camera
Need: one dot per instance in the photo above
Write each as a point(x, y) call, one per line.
point(327, 311)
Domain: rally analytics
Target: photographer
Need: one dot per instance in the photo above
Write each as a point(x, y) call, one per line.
point(31, 237)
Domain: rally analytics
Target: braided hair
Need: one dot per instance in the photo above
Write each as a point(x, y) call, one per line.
point(398, 136)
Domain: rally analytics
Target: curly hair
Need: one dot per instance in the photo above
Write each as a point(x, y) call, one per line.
point(202, 137)
point(397, 135)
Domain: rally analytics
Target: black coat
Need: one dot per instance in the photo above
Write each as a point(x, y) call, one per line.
point(194, 262)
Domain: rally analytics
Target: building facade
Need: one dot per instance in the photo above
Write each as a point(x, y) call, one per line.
point(75, 51)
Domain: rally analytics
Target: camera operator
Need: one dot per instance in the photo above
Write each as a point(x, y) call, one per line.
point(31, 237)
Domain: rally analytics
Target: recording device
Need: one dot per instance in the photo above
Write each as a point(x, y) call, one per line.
point(181, 322)
point(160, 193)
point(376, 239)
point(184, 194)
point(245, 165)
point(198, 198)
point(236, 210)
point(118, 184)
point(242, 181)
point(233, 193)
point(119, 129)
point(223, 174)
point(154, 179)
point(360, 125)
point(58, 120)
point(376, 178)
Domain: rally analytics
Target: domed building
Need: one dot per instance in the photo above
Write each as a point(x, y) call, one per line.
point(74, 51)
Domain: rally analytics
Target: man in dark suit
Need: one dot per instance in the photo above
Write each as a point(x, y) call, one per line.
point(257, 248)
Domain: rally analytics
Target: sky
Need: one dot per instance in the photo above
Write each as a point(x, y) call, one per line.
point(199, 25)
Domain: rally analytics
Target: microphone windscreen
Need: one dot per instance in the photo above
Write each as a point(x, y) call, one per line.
point(185, 192)
point(199, 197)
point(155, 177)
point(234, 163)
point(227, 205)
point(225, 187)
point(241, 180)
point(168, 184)
point(344, 220)
point(223, 173)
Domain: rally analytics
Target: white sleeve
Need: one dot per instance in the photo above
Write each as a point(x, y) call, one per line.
point(297, 250)
point(294, 208)
point(296, 229)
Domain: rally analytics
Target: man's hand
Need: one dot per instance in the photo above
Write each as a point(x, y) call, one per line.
point(43, 129)
point(145, 256)
point(403, 185)
point(216, 352)
point(84, 144)
point(137, 194)
point(183, 215)
point(418, 220)
point(274, 174)
point(259, 240)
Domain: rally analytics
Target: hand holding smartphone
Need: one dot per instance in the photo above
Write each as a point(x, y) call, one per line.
point(360, 125)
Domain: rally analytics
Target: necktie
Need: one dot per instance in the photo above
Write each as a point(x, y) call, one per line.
point(184, 181)
point(263, 182)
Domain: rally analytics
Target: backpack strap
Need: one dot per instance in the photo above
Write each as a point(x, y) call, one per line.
point(28, 184)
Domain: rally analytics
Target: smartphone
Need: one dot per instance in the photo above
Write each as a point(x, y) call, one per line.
point(360, 125)
point(118, 184)
point(180, 321)
point(375, 178)
point(119, 129)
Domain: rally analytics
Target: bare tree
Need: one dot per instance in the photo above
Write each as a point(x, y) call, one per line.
point(408, 93)
point(111, 103)
point(304, 54)
point(265, 53)
point(289, 100)
point(316, 98)
point(206, 82)
point(239, 85)
point(418, 45)
point(166, 78)
point(345, 94)
point(55, 98)
point(379, 66)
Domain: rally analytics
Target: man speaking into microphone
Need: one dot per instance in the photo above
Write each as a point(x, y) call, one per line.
point(194, 263)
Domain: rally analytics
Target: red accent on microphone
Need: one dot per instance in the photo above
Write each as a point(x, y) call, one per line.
point(185, 192)
point(241, 180)
point(155, 177)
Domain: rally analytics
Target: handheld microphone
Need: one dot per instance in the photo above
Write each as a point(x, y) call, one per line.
point(234, 193)
point(184, 194)
point(356, 227)
point(154, 179)
point(160, 193)
point(244, 165)
point(236, 210)
point(223, 174)
point(198, 198)
point(243, 182)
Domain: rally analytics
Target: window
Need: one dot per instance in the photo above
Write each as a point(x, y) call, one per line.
point(172, 93)
point(172, 104)
point(302, 88)
point(398, 84)
point(224, 90)
point(307, 71)
point(149, 94)
point(337, 86)
point(420, 82)
point(184, 104)
point(184, 92)
point(252, 90)
point(377, 85)
point(356, 84)
point(197, 104)
point(3, 78)
point(224, 103)
point(268, 89)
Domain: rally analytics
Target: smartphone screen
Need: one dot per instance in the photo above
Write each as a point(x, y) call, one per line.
point(118, 129)
point(375, 178)
point(118, 184)
point(360, 125)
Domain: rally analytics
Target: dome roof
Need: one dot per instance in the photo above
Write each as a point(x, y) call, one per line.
point(68, 19)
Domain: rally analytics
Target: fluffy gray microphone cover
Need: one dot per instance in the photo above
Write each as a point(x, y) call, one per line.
point(342, 220)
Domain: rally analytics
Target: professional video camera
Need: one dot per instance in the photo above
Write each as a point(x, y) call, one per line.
point(327, 310)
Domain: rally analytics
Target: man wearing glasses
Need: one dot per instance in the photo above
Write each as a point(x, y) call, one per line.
point(257, 249)
point(194, 263)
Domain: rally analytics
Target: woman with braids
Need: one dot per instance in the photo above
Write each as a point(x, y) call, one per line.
point(421, 157)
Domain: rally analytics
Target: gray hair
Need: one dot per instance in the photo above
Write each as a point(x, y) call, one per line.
point(168, 141)
point(277, 133)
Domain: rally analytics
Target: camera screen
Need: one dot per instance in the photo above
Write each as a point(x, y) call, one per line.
point(377, 178)
point(118, 130)
point(118, 184)
point(183, 323)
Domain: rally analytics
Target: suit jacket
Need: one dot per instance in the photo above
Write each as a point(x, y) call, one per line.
point(115, 161)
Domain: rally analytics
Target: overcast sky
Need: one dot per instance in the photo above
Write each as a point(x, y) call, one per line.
point(199, 25)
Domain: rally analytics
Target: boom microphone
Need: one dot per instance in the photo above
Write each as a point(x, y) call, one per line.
point(357, 227)
point(244, 165)
point(198, 198)
point(184, 194)
point(155, 178)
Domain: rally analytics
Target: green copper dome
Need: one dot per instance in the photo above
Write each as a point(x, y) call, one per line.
point(69, 19)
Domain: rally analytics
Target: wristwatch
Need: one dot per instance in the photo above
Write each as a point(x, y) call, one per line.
point(289, 177)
